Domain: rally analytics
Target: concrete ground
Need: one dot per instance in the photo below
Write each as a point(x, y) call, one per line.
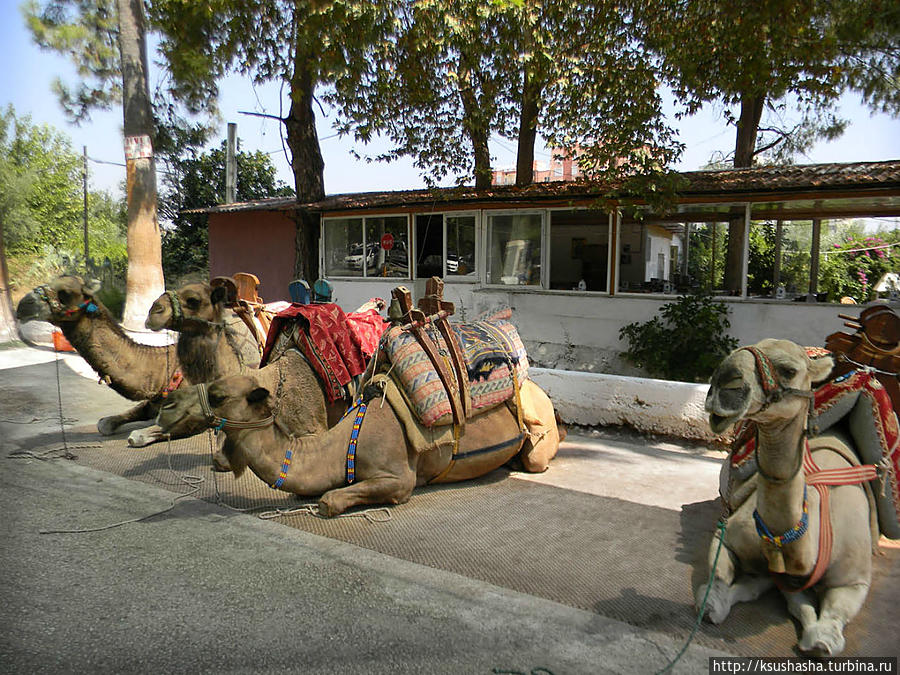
point(202, 589)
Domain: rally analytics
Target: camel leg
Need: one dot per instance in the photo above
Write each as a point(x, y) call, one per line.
point(727, 588)
point(388, 490)
point(539, 417)
point(146, 410)
point(802, 606)
point(825, 637)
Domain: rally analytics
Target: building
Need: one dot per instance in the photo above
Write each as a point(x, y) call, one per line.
point(574, 266)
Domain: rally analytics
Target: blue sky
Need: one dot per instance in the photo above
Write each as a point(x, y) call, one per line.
point(25, 82)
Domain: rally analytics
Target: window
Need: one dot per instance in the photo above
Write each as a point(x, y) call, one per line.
point(445, 246)
point(579, 249)
point(514, 249)
point(366, 247)
point(343, 247)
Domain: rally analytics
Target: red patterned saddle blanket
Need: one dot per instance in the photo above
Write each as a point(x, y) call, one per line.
point(338, 346)
point(861, 403)
point(493, 354)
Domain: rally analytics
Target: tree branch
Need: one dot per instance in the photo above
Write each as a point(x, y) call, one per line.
point(256, 114)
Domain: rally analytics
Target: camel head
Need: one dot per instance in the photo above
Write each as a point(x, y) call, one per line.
point(62, 301)
point(766, 382)
point(192, 308)
point(234, 402)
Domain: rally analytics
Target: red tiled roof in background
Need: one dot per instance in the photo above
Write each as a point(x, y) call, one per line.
point(723, 183)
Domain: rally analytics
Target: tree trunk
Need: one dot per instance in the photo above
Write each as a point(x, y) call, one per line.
point(475, 127)
point(8, 329)
point(307, 165)
point(527, 129)
point(144, 280)
point(744, 151)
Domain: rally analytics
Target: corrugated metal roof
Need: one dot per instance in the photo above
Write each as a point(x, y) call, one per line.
point(722, 183)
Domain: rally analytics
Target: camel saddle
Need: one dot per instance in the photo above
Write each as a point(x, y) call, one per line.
point(450, 372)
point(875, 345)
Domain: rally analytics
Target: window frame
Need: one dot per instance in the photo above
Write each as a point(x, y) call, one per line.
point(364, 217)
point(487, 232)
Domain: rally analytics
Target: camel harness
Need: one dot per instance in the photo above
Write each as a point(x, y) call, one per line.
point(820, 479)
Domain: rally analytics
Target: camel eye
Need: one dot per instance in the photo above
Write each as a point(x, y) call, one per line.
point(64, 297)
point(215, 400)
point(787, 372)
point(193, 303)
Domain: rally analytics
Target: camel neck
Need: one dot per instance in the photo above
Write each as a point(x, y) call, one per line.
point(780, 489)
point(317, 463)
point(136, 371)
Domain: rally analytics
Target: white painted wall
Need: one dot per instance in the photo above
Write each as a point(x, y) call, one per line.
point(580, 331)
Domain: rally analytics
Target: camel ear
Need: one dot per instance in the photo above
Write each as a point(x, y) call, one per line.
point(820, 368)
point(257, 395)
point(218, 295)
point(90, 287)
point(230, 286)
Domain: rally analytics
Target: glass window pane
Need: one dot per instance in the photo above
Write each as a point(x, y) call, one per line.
point(460, 246)
point(343, 247)
point(579, 249)
point(387, 241)
point(514, 252)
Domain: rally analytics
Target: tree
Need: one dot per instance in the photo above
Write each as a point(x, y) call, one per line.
point(573, 73)
point(106, 41)
point(302, 44)
point(755, 56)
point(854, 265)
point(41, 201)
point(197, 180)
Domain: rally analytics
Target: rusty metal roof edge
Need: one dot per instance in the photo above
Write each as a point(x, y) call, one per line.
point(819, 177)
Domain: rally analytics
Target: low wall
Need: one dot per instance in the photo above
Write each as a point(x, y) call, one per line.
point(657, 406)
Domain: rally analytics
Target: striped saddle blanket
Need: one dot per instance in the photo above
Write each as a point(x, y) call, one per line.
point(861, 403)
point(493, 353)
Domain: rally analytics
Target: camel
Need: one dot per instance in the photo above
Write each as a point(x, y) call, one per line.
point(391, 453)
point(212, 340)
point(138, 372)
point(770, 383)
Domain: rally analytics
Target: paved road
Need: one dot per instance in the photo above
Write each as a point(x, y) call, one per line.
point(202, 589)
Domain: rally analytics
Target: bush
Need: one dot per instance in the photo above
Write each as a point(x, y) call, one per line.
point(685, 343)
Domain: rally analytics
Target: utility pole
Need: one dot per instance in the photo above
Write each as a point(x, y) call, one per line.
point(230, 164)
point(84, 185)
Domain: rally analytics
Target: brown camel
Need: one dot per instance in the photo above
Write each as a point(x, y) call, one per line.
point(770, 383)
point(136, 371)
point(392, 454)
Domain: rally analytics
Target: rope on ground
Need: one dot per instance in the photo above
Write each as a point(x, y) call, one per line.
point(193, 481)
point(712, 573)
point(534, 671)
point(53, 451)
point(313, 510)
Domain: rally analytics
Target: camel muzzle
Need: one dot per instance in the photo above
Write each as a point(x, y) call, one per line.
point(32, 308)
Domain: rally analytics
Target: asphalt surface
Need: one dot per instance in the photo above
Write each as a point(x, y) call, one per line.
point(203, 589)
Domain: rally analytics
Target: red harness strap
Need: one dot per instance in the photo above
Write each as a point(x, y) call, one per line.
point(821, 479)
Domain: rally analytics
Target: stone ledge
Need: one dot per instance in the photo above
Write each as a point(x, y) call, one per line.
point(657, 406)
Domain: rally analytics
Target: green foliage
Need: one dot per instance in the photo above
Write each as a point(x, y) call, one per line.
point(452, 74)
point(798, 57)
point(87, 32)
point(854, 266)
point(198, 180)
point(41, 197)
point(685, 342)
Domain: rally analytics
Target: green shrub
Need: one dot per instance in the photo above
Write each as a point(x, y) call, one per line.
point(686, 342)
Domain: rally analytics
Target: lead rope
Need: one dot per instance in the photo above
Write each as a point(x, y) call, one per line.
point(712, 572)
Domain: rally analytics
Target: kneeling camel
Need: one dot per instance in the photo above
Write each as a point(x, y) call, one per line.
point(382, 464)
point(774, 536)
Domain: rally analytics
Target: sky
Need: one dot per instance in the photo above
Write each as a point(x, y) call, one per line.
point(28, 73)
